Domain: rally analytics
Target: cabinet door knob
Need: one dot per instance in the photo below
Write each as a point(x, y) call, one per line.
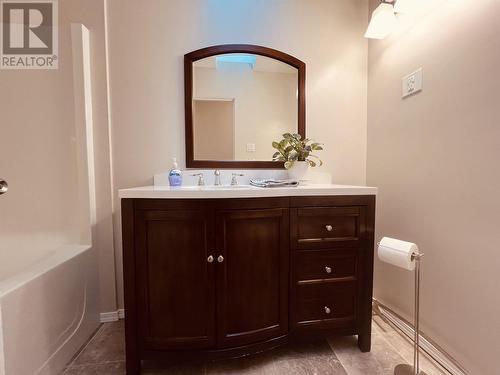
point(327, 310)
point(210, 259)
point(329, 228)
point(220, 259)
point(328, 269)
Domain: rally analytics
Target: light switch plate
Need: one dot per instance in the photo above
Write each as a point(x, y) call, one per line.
point(412, 83)
point(250, 147)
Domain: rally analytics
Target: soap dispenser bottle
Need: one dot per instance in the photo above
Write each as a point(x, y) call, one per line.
point(175, 174)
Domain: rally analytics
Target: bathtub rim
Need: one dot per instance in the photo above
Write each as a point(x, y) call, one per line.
point(58, 256)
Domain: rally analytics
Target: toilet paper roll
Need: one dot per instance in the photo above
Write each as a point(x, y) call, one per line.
point(398, 253)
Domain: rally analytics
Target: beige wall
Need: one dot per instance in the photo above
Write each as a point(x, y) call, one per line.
point(434, 158)
point(147, 42)
point(213, 134)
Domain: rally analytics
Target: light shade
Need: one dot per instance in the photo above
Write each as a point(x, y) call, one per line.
point(382, 22)
point(237, 59)
point(404, 6)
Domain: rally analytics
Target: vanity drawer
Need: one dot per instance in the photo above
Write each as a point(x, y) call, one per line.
point(317, 265)
point(337, 305)
point(324, 226)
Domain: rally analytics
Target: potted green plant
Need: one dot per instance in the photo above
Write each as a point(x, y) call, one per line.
point(297, 155)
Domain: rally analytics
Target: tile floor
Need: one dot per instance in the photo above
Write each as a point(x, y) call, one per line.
point(104, 355)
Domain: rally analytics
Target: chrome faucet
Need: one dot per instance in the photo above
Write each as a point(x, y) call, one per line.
point(234, 180)
point(201, 180)
point(217, 178)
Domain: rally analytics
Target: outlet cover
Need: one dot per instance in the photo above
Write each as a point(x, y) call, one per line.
point(412, 83)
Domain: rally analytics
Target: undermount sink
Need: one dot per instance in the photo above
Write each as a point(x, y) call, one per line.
point(215, 187)
point(229, 187)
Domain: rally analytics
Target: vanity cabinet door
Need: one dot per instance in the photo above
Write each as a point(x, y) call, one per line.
point(175, 278)
point(252, 275)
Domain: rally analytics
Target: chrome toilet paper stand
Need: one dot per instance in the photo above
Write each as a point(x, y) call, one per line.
point(406, 369)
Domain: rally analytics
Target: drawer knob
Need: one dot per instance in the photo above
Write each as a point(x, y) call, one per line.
point(329, 228)
point(220, 259)
point(210, 259)
point(327, 310)
point(328, 269)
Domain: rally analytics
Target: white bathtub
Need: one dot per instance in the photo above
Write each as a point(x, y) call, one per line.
point(48, 307)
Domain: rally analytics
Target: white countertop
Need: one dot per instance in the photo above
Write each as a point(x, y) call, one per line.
point(243, 191)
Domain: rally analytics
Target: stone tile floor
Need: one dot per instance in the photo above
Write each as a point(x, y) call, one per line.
point(105, 355)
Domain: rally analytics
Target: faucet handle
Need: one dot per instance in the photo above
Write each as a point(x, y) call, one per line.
point(234, 180)
point(201, 180)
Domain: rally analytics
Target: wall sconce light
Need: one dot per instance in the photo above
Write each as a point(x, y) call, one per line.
point(404, 6)
point(383, 18)
point(382, 22)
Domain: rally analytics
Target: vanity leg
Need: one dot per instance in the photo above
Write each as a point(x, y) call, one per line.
point(132, 357)
point(365, 342)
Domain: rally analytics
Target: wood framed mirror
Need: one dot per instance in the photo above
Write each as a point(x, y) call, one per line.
point(238, 99)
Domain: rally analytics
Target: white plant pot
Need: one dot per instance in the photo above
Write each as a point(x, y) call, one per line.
point(298, 171)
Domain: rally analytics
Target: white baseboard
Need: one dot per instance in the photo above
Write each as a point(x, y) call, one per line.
point(112, 316)
point(436, 353)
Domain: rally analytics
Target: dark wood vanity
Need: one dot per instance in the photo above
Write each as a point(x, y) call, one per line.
point(230, 277)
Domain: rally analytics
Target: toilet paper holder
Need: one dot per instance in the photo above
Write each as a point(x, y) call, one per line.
point(406, 369)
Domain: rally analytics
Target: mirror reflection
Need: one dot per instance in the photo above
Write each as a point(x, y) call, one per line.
point(241, 103)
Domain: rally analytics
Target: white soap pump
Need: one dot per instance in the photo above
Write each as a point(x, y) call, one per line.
point(175, 174)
